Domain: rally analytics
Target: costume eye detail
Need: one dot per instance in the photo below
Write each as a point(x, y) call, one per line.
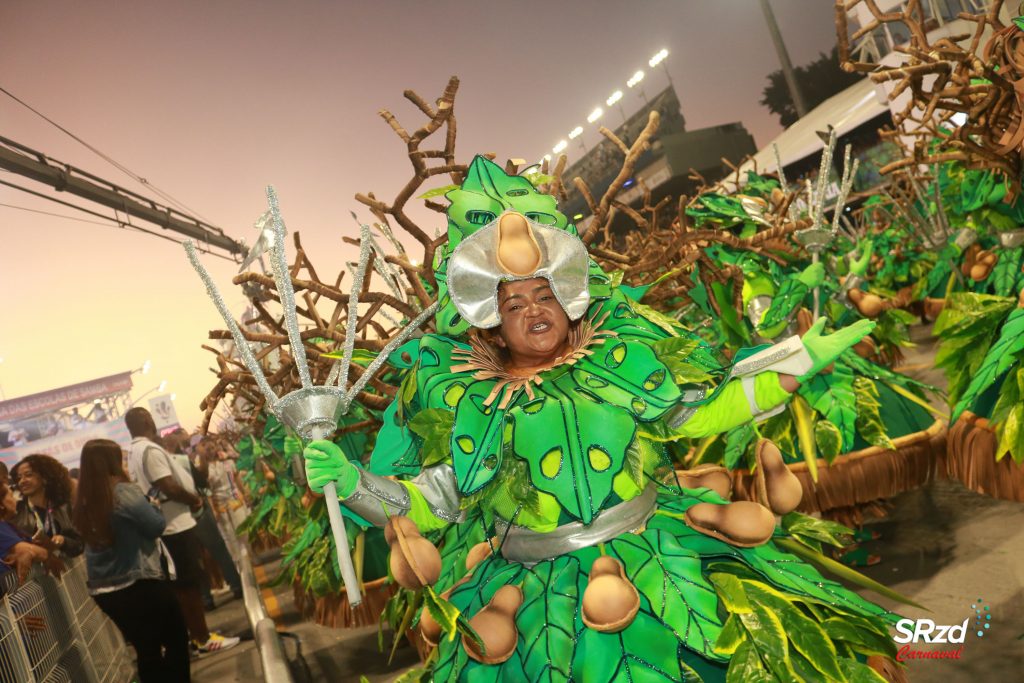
point(477, 217)
point(542, 218)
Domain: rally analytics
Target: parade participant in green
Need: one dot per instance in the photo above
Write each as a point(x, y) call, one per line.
point(549, 399)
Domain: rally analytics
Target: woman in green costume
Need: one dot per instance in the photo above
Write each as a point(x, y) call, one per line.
point(527, 439)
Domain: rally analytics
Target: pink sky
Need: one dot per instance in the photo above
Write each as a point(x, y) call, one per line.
point(211, 101)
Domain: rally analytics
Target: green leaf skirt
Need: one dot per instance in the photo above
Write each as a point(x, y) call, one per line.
point(780, 617)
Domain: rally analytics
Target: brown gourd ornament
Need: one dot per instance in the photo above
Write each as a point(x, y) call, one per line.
point(611, 601)
point(869, 305)
point(983, 265)
point(496, 626)
point(415, 562)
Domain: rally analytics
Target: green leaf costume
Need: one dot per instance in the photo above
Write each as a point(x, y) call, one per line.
point(484, 454)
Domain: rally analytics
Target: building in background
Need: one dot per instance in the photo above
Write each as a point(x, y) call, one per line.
point(663, 169)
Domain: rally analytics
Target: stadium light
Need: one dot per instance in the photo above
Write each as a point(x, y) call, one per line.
point(163, 385)
point(635, 79)
point(658, 58)
point(560, 147)
point(595, 115)
point(613, 98)
point(575, 132)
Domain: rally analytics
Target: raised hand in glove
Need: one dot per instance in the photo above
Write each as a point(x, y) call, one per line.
point(859, 265)
point(825, 348)
point(326, 462)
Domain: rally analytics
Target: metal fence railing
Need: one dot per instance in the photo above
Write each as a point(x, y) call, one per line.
point(51, 631)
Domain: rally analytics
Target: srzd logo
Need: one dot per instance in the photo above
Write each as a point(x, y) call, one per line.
point(927, 631)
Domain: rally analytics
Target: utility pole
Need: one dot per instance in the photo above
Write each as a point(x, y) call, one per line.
point(787, 66)
point(27, 162)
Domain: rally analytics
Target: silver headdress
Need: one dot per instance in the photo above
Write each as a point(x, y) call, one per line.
point(512, 247)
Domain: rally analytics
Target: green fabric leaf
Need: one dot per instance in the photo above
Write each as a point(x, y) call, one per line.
point(833, 397)
point(547, 621)
point(434, 426)
point(1007, 271)
point(828, 439)
point(646, 652)
point(1000, 357)
point(869, 418)
point(804, 422)
point(736, 442)
point(730, 590)
point(731, 637)
point(1011, 435)
point(746, 667)
point(866, 641)
point(669, 576)
point(767, 635)
point(806, 636)
point(801, 525)
point(856, 672)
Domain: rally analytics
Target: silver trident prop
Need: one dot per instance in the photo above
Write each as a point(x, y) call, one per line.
point(817, 237)
point(312, 411)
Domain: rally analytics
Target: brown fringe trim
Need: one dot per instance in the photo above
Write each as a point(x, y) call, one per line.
point(971, 458)
point(866, 475)
point(334, 610)
point(888, 669)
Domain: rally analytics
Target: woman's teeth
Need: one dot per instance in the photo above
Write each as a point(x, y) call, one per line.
point(539, 327)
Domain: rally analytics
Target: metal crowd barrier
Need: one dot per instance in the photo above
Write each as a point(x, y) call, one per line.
point(51, 631)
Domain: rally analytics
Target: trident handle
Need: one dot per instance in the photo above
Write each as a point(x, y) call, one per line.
point(348, 570)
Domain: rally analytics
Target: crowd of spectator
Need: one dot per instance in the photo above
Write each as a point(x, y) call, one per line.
point(151, 524)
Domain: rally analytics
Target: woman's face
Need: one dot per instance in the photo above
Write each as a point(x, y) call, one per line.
point(8, 505)
point(534, 328)
point(29, 482)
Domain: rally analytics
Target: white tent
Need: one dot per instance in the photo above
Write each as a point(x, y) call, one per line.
point(845, 111)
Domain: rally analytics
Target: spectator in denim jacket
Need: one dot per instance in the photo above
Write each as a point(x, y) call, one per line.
point(122, 529)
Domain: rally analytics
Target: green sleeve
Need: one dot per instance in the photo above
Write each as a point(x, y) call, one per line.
point(420, 511)
point(731, 409)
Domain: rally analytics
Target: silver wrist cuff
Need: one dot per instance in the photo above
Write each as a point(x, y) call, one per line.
point(373, 493)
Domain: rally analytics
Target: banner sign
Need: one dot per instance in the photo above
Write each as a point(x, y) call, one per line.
point(67, 446)
point(164, 415)
point(55, 399)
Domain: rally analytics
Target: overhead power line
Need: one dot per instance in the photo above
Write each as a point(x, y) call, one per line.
point(65, 177)
point(121, 167)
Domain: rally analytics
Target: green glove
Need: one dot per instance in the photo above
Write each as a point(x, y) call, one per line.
point(859, 265)
point(326, 462)
point(813, 275)
point(826, 348)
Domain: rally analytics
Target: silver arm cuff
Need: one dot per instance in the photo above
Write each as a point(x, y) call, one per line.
point(436, 484)
point(440, 490)
point(788, 357)
point(372, 493)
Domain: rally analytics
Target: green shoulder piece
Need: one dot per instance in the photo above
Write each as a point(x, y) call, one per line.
point(395, 451)
point(575, 466)
point(629, 375)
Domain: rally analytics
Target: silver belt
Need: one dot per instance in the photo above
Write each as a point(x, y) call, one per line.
point(523, 545)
